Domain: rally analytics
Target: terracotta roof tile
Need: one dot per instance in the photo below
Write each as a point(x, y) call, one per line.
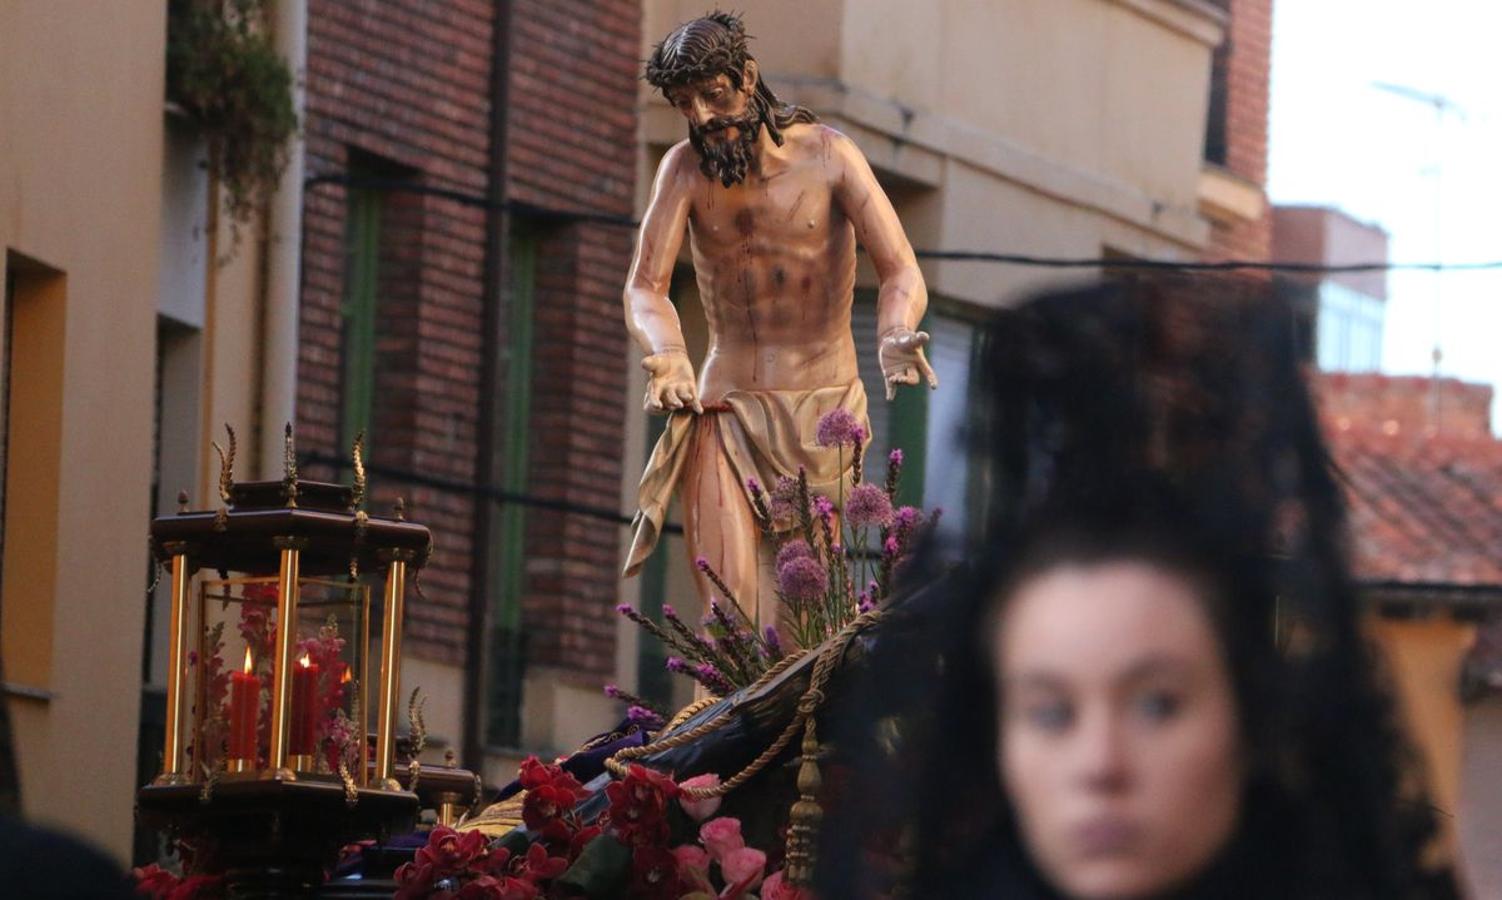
point(1423, 509)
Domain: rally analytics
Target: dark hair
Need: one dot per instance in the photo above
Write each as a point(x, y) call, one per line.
point(1164, 420)
point(712, 45)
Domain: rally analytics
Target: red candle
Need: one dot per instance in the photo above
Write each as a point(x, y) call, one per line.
point(244, 704)
point(304, 707)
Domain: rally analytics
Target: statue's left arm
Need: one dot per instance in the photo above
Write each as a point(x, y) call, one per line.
point(903, 297)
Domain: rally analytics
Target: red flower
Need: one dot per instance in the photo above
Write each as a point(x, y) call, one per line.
point(449, 851)
point(414, 881)
point(154, 881)
point(489, 887)
point(539, 867)
point(639, 804)
point(581, 839)
point(654, 873)
point(551, 792)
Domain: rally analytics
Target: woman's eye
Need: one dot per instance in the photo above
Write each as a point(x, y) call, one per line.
point(1158, 706)
point(1049, 716)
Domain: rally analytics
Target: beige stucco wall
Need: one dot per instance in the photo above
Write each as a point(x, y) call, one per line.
point(1423, 661)
point(80, 158)
point(84, 175)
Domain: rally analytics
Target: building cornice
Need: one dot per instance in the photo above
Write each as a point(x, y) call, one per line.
point(914, 145)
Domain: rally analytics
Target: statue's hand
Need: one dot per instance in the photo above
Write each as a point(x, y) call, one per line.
point(670, 383)
point(902, 361)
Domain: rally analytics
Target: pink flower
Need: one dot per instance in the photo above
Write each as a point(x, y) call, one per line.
point(839, 428)
point(895, 457)
point(802, 578)
point(692, 858)
point(699, 810)
point(720, 836)
point(868, 505)
point(777, 888)
point(908, 517)
point(744, 868)
point(794, 549)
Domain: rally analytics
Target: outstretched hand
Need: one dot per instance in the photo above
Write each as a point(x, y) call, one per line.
point(902, 361)
point(670, 383)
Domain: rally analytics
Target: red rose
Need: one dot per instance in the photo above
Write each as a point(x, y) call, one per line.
point(654, 873)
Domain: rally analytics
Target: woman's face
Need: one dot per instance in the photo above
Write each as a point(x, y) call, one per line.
point(1118, 739)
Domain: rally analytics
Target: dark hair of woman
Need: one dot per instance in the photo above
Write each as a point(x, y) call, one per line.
point(1165, 421)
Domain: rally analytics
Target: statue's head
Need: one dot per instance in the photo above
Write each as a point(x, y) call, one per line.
point(704, 69)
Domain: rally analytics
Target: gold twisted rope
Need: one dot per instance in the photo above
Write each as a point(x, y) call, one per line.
point(808, 703)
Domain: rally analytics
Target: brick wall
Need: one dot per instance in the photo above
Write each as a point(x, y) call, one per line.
point(400, 89)
point(572, 144)
point(1246, 62)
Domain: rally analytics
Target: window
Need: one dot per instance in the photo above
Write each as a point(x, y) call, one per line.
point(35, 310)
point(507, 548)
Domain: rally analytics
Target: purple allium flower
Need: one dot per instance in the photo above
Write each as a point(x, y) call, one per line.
point(895, 457)
point(676, 664)
point(794, 549)
point(839, 428)
point(784, 499)
point(612, 692)
point(644, 717)
point(802, 579)
point(823, 506)
point(868, 505)
point(907, 517)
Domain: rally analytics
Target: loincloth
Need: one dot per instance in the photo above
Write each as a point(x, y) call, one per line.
point(763, 434)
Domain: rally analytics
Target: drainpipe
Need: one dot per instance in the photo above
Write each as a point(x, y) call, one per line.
point(479, 669)
point(278, 387)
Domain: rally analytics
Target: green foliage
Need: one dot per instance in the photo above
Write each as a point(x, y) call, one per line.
point(601, 871)
point(228, 78)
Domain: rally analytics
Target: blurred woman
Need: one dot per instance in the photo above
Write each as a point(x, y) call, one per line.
point(1146, 679)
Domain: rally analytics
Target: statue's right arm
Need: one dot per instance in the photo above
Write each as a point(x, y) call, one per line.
point(650, 316)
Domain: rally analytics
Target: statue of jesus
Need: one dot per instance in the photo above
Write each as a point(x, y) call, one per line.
point(774, 203)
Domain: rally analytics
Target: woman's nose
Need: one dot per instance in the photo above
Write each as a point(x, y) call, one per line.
point(1102, 755)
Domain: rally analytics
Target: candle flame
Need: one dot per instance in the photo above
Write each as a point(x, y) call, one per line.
point(249, 666)
point(305, 661)
point(346, 678)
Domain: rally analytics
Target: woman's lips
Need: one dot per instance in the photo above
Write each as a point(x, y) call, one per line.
point(1106, 836)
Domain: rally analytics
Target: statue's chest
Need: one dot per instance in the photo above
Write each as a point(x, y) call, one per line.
point(770, 211)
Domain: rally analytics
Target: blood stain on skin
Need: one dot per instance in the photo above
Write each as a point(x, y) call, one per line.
point(797, 202)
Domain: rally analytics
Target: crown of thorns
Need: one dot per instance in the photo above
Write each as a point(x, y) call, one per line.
point(695, 53)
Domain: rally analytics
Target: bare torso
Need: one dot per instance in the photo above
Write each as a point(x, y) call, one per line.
point(775, 263)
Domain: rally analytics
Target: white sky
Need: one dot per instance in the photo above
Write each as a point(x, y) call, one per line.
point(1336, 140)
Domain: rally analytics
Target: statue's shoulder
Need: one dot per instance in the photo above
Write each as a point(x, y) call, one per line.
point(678, 158)
point(818, 138)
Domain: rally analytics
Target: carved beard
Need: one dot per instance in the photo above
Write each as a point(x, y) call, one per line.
point(728, 161)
